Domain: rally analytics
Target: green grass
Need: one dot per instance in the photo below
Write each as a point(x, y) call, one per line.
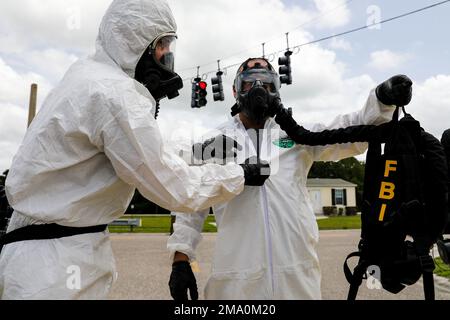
point(161, 224)
point(207, 227)
point(442, 269)
point(340, 222)
point(156, 224)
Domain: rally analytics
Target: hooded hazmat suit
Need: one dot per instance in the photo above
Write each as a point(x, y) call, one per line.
point(92, 143)
point(270, 251)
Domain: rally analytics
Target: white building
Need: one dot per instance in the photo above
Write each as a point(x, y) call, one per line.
point(331, 192)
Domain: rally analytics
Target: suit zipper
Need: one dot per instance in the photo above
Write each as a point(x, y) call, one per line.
point(268, 237)
point(266, 222)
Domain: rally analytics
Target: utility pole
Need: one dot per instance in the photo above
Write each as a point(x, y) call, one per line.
point(32, 107)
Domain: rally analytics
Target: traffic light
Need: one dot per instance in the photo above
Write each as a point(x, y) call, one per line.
point(285, 68)
point(217, 87)
point(198, 93)
point(202, 93)
point(194, 99)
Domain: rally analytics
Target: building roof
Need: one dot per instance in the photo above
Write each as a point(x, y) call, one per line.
point(319, 182)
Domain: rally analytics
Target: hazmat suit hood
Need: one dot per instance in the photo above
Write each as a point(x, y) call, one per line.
point(127, 29)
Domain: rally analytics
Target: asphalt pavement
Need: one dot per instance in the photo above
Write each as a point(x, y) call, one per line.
point(144, 267)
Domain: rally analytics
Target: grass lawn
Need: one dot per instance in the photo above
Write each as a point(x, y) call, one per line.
point(340, 222)
point(157, 224)
point(161, 224)
point(441, 269)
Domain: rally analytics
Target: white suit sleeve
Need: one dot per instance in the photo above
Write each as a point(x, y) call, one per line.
point(373, 112)
point(187, 233)
point(133, 143)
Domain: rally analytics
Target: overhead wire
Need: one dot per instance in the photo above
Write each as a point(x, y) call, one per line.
point(296, 48)
point(273, 38)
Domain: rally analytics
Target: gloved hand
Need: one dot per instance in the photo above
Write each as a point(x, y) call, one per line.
point(220, 147)
point(395, 91)
point(275, 107)
point(181, 279)
point(255, 171)
point(285, 120)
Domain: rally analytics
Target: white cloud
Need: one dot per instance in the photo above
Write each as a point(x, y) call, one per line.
point(321, 89)
point(333, 13)
point(13, 123)
point(15, 87)
point(340, 44)
point(50, 24)
point(431, 104)
point(213, 30)
point(14, 99)
point(387, 59)
point(50, 63)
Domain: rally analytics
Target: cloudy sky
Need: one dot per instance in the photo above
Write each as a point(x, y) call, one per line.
point(41, 39)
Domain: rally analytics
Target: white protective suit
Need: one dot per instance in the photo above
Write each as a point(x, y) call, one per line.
point(267, 236)
point(92, 143)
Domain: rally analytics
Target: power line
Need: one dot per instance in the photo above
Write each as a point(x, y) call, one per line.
point(373, 24)
point(297, 47)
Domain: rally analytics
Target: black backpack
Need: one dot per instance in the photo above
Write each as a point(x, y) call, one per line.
point(405, 194)
point(444, 244)
point(445, 140)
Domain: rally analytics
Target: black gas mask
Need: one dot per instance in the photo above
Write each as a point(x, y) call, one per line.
point(257, 90)
point(158, 75)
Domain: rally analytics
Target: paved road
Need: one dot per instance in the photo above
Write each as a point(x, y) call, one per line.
point(144, 267)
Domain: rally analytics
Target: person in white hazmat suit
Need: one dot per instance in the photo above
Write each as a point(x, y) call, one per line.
point(94, 141)
point(270, 251)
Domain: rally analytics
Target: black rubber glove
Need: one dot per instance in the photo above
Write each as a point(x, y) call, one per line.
point(220, 147)
point(285, 120)
point(181, 279)
point(275, 107)
point(358, 133)
point(395, 91)
point(255, 171)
